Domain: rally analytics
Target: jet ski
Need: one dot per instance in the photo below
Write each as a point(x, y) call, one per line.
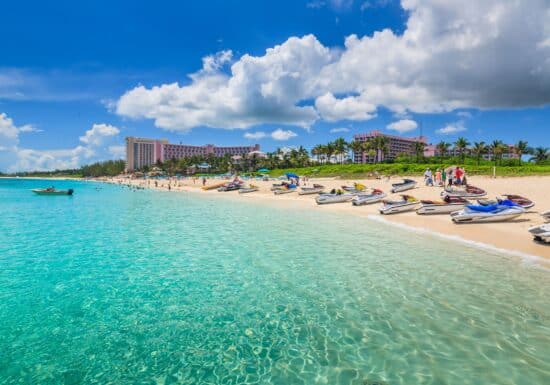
point(407, 203)
point(365, 199)
point(407, 184)
point(504, 211)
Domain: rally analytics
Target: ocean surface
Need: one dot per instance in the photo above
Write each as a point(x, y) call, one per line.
point(113, 286)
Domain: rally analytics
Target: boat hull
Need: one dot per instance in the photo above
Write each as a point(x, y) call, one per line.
point(402, 188)
point(397, 208)
point(367, 199)
point(247, 190)
point(541, 233)
point(427, 209)
point(287, 191)
point(311, 191)
point(324, 200)
point(473, 193)
point(463, 216)
point(53, 193)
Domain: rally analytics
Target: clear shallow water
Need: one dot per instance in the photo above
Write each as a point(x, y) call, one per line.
point(113, 286)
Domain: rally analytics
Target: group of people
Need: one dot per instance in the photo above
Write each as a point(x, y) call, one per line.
point(456, 176)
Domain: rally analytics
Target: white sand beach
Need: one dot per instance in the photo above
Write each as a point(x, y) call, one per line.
point(511, 236)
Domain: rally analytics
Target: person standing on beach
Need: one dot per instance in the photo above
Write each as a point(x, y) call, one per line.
point(458, 176)
point(443, 177)
point(428, 178)
point(438, 177)
point(450, 178)
point(203, 181)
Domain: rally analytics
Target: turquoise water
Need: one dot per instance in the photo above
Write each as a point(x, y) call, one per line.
point(119, 287)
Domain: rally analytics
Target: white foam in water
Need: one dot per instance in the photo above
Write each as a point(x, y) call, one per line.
point(526, 259)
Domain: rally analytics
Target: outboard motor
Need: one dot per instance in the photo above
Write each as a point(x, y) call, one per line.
point(70, 191)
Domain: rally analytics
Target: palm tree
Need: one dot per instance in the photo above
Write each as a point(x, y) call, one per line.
point(443, 148)
point(356, 147)
point(330, 149)
point(303, 156)
point(461, 144)
point(418, 148)
point(479, 149)
point(520, 149)
point(497, 149)
point(368, 147)
point(380, 145)
point(340, 148)
point(540, 154)
point(316, 152)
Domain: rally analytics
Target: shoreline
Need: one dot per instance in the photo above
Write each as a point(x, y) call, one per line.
point(509, 237)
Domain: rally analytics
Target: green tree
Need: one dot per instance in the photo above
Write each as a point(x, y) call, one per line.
point(356, 147)
point(381, 147)
point(520, 149)
point(330, 149)
point(340, 148)
point(418, 148)
point(461, 145)
point(443, 148)
point(479, 149)
point(497, 148)
point(540, 154)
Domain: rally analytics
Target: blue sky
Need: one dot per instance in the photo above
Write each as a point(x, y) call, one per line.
point(77, 77)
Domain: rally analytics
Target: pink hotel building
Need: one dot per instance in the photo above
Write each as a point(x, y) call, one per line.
point(141, 152)
point(397, 145)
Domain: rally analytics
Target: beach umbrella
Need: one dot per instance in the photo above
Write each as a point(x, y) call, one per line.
point(263, 170)
point(291, 175)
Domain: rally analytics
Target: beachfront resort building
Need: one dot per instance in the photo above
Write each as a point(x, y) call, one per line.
point(396, 146)
point(141, 152)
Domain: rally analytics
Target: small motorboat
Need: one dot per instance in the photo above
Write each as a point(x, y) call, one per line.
point(541, 233)
point(466, 192)
point(366, 199)
point(546, 216)
point(407, 184)
point(407, 203)
point(448, 205)
point(316, 189)
point(249, 189)
point(335, 196)
point(52, 191)
point(289, 188)
point(504, 211)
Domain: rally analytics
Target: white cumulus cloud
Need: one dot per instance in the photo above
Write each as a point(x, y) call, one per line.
point(338, 130)
point(349, 108)
point(96, 135)
point(259, 89)
point(255, 135)
point(454, 54)
point(403, 125)
point(280, 134)
point(14, 158)
point(452, 128)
